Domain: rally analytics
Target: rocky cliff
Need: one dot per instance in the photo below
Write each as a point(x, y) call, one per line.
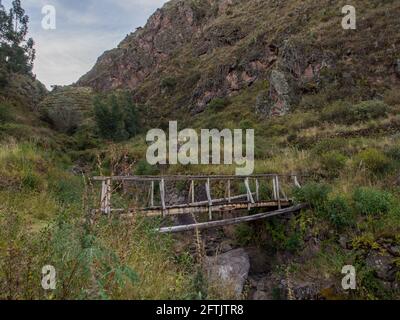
point(192, 51)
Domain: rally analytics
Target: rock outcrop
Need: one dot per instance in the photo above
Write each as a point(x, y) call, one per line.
point(191, 52)
point(229, 270)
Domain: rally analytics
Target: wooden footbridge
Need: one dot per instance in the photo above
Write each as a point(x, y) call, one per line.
point(264, 192)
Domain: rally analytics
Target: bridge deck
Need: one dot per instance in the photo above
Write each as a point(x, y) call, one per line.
point(250, 200)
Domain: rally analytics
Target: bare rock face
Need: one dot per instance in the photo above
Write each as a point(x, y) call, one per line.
point(218, 48)
point(141, 53)
point(229, 270)
point(382, 266)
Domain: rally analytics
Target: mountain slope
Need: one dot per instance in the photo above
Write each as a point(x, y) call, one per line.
point(191, 52)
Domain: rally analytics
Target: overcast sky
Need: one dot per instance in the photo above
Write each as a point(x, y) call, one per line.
point(85, 29)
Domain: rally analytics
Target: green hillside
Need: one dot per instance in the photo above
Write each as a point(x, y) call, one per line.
point(324, 103)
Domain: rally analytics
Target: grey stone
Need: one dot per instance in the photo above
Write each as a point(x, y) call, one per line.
point(382, 265)
point(230, 269)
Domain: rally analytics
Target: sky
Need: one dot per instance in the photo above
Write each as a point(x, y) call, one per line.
point(84, 30)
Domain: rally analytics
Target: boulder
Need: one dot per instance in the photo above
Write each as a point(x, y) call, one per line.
point(229, 270)
point(382, 266)
point(259, 260)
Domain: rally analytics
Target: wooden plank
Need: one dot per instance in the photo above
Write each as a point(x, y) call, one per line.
point(257, 190)
point(249, 193)
point(152, 194)
point(190, 177)
point(296, 182)
point(201, 203)
point(233, 221)
point(193, 191)
point(106, 197)
point(206, 209)
point(229, 191)
point(278, 188)
point(162, 196)
point(210, 202)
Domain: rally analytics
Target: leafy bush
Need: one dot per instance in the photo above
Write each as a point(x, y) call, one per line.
point(5, 114)
point(344, 112)
point(143, 168)
point(370, 201)
point(244, 234)
point(218, 104)
point(338, 211)
point(246, 124)
point(374, 160)
point(315, 194)
point(327, 145)
point(368, 110)
point(392, 97)
point(168, 83)
point(394, 152)
point(333, 162)
point(116, 117)
point(4, 77)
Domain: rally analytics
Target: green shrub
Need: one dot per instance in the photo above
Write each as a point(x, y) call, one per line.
point(143, 168)
point(392, 97)
point(368, 110)
point(168, 83)
point(116, 117)
point(246, 124)
point(5, 114)
point(317, 101)
point(327, 145)
point(218, 104)
point(374, 160)
point(394, 152)
point(338, 212)
point(339, 112)
point(370, 201)
point(315, 194)
point(243, 234)
point(333, 162)
point(344, 112)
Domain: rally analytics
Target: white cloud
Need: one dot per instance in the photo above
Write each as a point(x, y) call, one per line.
point(85, 29)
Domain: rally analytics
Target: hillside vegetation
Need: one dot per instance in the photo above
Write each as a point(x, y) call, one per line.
point(324, 102)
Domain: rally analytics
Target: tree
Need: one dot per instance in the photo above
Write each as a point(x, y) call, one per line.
point(16, 51)
point(116, 117)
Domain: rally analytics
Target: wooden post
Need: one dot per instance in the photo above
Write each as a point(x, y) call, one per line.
point(208, 192)
point(106, 196)
point(193, 191)
point(152, 195)
point(162, 196)
point(249, 193)
point(274, 189)
point(296, 182)
point(229, 191)
point(257, 191)
point(278, 192)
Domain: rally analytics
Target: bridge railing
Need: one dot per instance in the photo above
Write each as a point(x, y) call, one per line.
point(255, 191)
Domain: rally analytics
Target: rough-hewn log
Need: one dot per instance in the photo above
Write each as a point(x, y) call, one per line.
point(153, 212)
point(221, 223)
